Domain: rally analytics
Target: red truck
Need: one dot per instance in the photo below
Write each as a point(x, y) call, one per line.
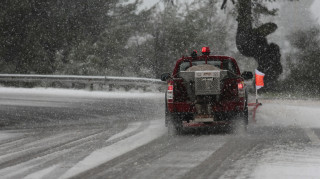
point(205, 91)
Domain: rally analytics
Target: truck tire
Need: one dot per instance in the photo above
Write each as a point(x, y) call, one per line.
point(174, 126)
point(245, 116)
point(166, 119)
point(239, 123)
point(244, 120)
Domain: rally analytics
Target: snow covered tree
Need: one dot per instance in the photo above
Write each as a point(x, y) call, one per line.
point(181, 28)
point(34, 32)
point(304, 62)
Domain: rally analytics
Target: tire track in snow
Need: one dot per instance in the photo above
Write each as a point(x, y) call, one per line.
point(42, 173)
point(53, 156)
point(34, 161)
point(129, 131)
point(45, 148)
point(103, 155)
point(165, 157)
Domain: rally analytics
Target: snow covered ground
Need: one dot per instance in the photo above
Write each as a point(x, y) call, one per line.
point(289, 163)
point(283, 160)
point(289, 113)
point(293, 161)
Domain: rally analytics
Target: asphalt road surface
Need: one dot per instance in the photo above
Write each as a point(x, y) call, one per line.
point(47, 133)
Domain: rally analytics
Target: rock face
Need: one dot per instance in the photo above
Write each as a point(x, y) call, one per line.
point(252, 42)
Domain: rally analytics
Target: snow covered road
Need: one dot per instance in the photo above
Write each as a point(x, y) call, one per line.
point(50, 133)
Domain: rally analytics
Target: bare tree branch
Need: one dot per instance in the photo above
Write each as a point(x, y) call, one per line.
point(224, 4)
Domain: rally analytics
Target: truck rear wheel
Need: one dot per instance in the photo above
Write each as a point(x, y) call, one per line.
point(240, 122)
point(174, 125)
point(173, 130)
point(245, 116)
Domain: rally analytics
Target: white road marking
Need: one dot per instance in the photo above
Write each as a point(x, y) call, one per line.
point(103, 155)
point(312, 136)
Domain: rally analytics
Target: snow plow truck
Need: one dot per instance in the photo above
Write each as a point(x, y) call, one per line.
point(205, 91)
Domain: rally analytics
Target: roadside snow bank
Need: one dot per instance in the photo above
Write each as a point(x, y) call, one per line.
point(79, 93)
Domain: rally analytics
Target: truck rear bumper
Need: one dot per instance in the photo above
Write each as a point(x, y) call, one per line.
point(192, 124)
point(224, 106)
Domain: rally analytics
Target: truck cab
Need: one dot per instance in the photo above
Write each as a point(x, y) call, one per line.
point(205, 91)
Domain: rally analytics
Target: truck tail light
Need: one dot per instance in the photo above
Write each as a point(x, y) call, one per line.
point(240, 86)
point(241, 90)
point(170, 93)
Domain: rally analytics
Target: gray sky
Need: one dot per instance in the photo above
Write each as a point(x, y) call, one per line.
point(314, 8)
point(149, 3)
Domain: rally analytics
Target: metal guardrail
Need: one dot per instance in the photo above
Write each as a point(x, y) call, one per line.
point(75, 81)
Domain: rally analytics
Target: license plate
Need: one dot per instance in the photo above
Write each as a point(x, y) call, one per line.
point(204, 119)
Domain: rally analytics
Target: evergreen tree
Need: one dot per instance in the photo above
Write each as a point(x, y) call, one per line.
point(34, 31)
point(180, 29)
point(109, 53)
